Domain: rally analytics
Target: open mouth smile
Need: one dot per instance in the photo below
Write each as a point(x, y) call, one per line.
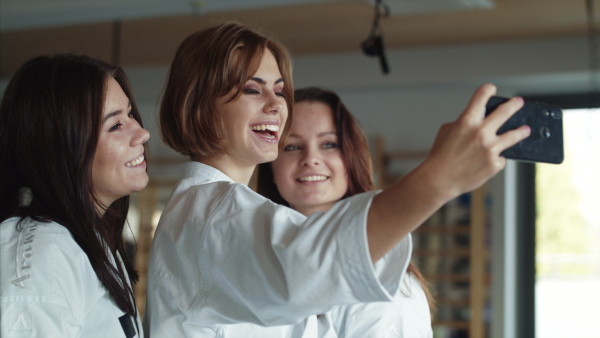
point(266, 131)
point(135, 162)
point(312, 178)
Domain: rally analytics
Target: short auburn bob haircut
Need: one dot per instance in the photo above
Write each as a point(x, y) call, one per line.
point(353, 145)
point(208, 65)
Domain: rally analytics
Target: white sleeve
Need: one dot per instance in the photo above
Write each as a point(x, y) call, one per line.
point(250, 260)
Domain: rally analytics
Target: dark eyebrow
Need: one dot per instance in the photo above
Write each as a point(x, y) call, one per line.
point(115, 113)
point(261, 81)
point(325, 133)
point(109, 115)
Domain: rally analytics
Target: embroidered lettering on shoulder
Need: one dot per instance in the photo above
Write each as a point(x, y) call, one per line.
point(21, 323)
point(24, 254)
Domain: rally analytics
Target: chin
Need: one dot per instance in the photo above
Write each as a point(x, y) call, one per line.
point(140, 185)
point(268, 157)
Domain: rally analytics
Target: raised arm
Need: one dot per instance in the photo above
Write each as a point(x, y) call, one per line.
point(465, 154)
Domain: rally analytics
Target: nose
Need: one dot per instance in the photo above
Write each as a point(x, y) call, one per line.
point(311, 157)
point(140, 136)
point(274, 104)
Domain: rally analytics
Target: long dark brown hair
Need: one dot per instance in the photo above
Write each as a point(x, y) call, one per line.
point(355, 154)
point(50, 119)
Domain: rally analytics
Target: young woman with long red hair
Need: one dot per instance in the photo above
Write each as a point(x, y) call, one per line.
point(325, 159)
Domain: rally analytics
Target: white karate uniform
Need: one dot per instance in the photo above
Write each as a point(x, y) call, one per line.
point(227, 262)
point(48, 287)
point(407, 316)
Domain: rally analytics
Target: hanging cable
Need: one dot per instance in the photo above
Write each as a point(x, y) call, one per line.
point(373, 45)
point(116, 43)
point(594, 54)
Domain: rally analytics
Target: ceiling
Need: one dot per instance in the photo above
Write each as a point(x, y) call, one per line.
point(146, 33)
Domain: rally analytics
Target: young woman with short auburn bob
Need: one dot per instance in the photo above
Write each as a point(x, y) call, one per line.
point(326, 158)
point(72, 150)
point(208, 66)
point(228, 262)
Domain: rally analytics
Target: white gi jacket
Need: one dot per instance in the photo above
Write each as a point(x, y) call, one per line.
point(49, 289)
point(407, 316)
point(225, 262)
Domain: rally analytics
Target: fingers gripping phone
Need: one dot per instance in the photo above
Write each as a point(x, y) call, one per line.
point(545, 144)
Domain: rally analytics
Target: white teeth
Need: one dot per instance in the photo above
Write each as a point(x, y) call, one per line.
point(135, 162)
point(263, 127)
point(312, 178)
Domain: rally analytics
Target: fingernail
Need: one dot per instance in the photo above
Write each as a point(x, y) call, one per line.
point(527, 130)
point(520, 99)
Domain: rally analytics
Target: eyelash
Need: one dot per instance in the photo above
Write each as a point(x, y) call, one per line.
point(250, 91)
point(117, 126)
point(327, 145)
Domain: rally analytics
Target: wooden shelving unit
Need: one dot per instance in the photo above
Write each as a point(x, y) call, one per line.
point(450, 250)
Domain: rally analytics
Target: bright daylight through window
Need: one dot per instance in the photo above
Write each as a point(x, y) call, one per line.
point(568, 233)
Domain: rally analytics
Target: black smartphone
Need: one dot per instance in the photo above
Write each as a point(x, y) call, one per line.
point(545, 144)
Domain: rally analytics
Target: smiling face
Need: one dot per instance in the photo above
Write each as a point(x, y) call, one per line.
point(119, 168)
point(310, 173)
point(254, 121)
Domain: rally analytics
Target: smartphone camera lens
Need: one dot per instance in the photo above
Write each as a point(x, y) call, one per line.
point(555, 115)
point(545, 131)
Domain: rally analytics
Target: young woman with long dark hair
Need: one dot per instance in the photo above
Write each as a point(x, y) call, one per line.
point(71, 151)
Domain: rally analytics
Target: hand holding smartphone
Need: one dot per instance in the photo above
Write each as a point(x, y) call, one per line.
point(545, 144)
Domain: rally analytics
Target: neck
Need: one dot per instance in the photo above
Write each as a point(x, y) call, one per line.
point(239, 173)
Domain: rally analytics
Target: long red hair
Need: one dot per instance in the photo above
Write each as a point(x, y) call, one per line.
point(355, 154)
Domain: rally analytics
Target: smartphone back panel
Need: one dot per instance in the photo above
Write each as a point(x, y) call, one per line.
point(545, 144)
